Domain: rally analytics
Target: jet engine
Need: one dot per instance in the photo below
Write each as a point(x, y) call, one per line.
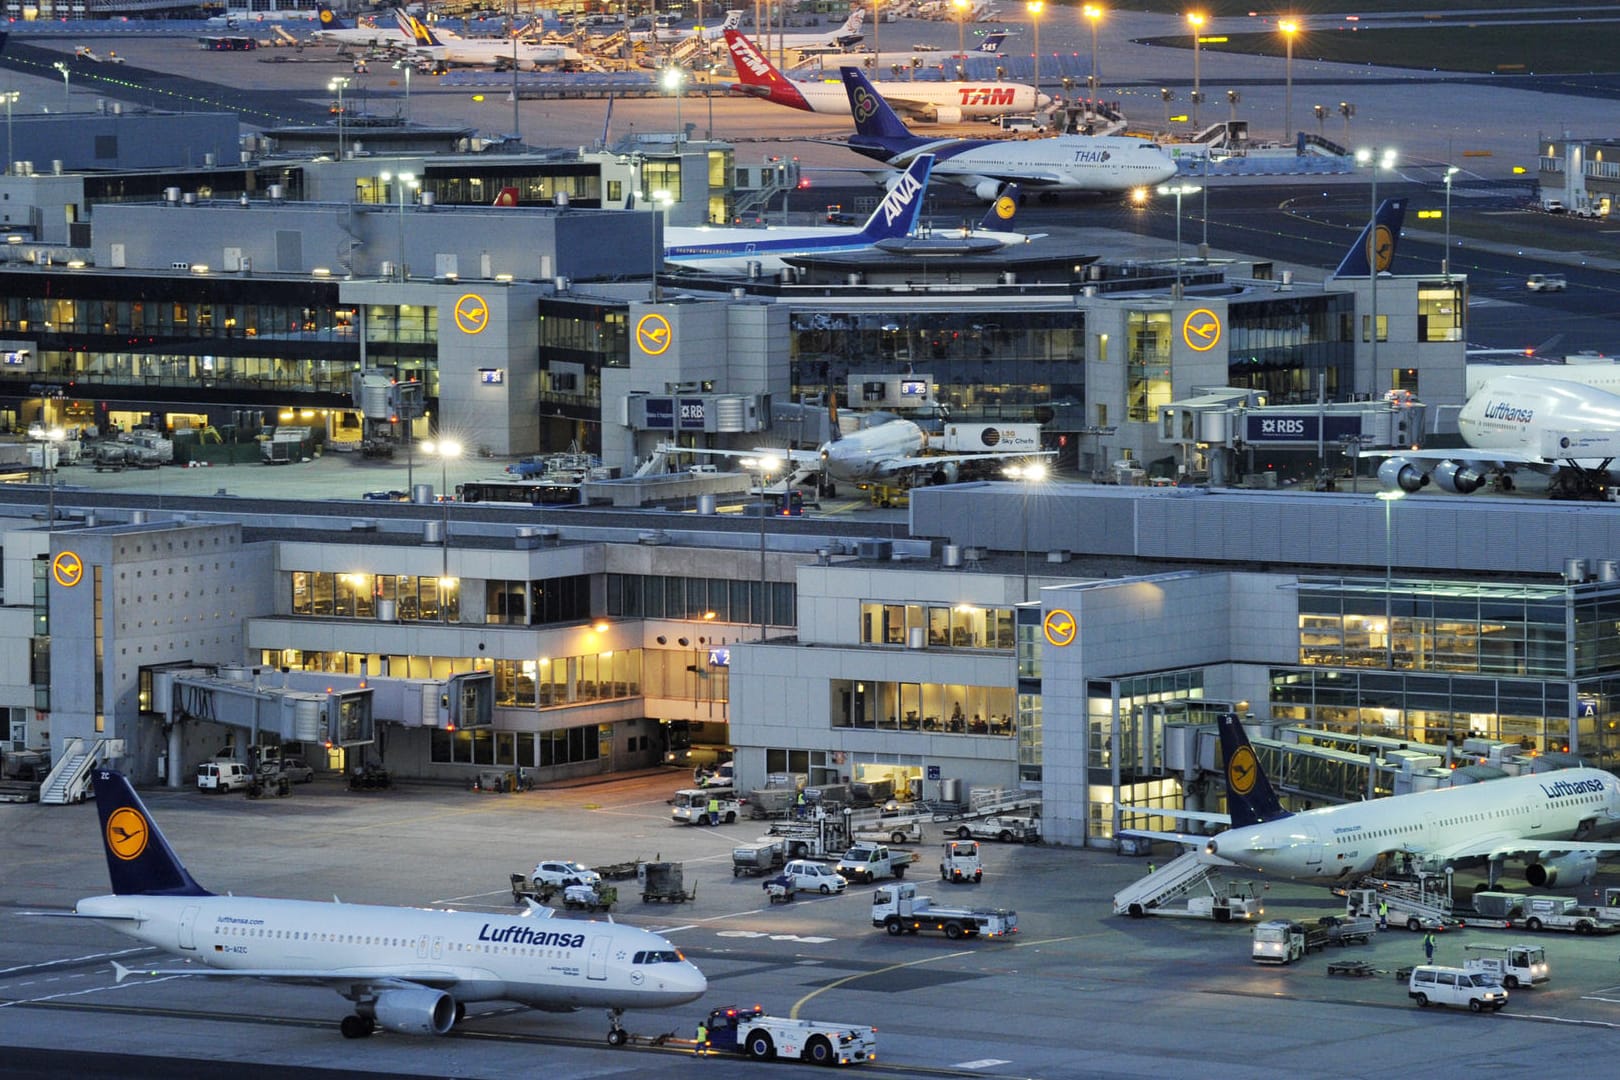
point(1402, 474)
point(988, 190)
point(1575, 868)
point(1458, 477)
point(947, 114)
point(415, 1012)
point(943, 474)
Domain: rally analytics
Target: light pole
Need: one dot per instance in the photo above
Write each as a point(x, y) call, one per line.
point(1178, 190)
point(708, 101)
point(662, 201)
point(877, 17)
point(1375, 159)
point(1035, 7)
point(1389, 498)
point(10, 97)
point(403, 182)
point(444, 450)
point(1196, 19)
point(1445, 262)
point(765, 467)
point(1288, 28)
point(48, 438)
point(672, 80)
point(339, 84)
point(1093, 14)
point(1030, 473)
point(406, 66)
point(962, 8)
point(67, 91)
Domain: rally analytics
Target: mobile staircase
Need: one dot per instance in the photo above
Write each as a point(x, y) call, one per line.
point(1176, 880)
point(69, 779)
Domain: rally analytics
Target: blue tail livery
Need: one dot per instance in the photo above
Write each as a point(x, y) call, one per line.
point(1375, 244)
point(139, 859)
point(1249, 798)
point(877, 125)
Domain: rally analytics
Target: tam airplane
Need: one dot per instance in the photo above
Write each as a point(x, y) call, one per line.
point(1079, 163)
point(408, 970)
point(1547, 820)
point(937, 102)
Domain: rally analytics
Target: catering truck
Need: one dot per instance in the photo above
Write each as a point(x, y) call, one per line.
point(749, 1031)
point(899, 910)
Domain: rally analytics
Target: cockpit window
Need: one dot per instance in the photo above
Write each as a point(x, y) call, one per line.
point(656, 956)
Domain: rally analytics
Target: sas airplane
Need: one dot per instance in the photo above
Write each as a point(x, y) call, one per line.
point(936, 102)
point(1548, 820)
point(409, 970)
point(1078, 163)
point(731, 250)
point(929, 55)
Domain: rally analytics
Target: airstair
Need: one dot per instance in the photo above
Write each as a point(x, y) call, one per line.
point(1176, 880)
point(69, 779)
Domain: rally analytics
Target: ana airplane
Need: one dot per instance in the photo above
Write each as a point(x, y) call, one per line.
point(843, 39)
point(1548, 820)
point(1081, 163)
point(991, 234)
point(731, 250)
point(937, 102)
point(334, 30)
point(443, 47)
point(1562, 421)
point(409, 970)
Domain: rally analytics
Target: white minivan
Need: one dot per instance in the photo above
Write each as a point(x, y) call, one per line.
point(1431, 984)
point(223, 776)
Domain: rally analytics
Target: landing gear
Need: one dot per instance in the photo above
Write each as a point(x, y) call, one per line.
point(357, 1027)
point(1589, 485)
point(617, 1036)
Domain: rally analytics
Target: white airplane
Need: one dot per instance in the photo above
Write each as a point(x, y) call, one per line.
point(237, 18)
point(334, 30)
point(1547, 820)
point(931, 55)
point(1089, 163)
point(888, 450)
point(443, 47)
point(937, 102)
point(673, 37)
point(408, 970)
point(1560, 421)
point(843, 39)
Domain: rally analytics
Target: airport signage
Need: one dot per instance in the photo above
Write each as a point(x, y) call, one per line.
point(653, 334)
point(471, 313)
point(1298, 428)
point(68, 569)
point(1059, 627)
point(689, 414)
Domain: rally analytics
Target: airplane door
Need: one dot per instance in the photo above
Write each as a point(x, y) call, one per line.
point(596, 963)
point(1313, 847)
point(188, 923)
point(438, 947)
point(422, 947)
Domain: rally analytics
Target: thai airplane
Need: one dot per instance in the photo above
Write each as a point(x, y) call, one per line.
point(731, 250)
point(335, 30)
point(1547, 820)
point(408, 970)
point(443, 47)
point(937, 102)
point(1080, 163)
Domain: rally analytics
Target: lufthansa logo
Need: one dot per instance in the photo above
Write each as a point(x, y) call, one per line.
point(68, 569)
point(127, 833)
point(1006, 207)
point(1059, 627)
point(472, 314)
point(654, 335)
point(1383, 242)
point(1201, 330)
point(1242, 771)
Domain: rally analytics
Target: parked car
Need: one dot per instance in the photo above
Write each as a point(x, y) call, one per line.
point(385, 496)
point(801, 875)
point(560, 873)
point(293, 768)
point(223, 776)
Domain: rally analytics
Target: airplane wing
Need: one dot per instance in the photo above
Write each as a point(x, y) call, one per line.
point(798, 457)
point(1512, 845)
point(928, 460)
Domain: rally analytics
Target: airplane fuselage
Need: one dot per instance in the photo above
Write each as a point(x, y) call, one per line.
point(1515, 412)
point(869, 454)
point(1060, 163)
point(555, 964)
point(1335, 842)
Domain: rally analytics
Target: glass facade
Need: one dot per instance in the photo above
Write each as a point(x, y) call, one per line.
point(951, 709)
point(1147, 365)
point(1281, 346)
point(962, 626)
point(327, 595)
point(645, 596)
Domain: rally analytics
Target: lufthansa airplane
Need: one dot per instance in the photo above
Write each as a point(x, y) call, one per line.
point(1548, 820)
point(408, 970)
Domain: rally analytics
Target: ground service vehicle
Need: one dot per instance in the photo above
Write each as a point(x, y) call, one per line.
point(1414, 908)
point(1546, 283)
point(1003, 828)
point(692, 807)
point(1545, 913)
point(895, 832)
point(899, 910)
point(560, 874)
point(868, 862)
point(820, 838)
point(223, 776)
point(1511, 965)
point(802, 875)
point(960, 861)
point(1430, 984)
point(750, 1031)
point(1280, 941)
point(760, 857)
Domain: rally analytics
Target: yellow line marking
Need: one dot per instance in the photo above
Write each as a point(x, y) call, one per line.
point(793, 1013)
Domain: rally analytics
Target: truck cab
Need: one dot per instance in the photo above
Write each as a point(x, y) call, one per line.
point(1511, 965)
point(960, 861)
point(704, 806)
point(1278, 941)
point(868, 862)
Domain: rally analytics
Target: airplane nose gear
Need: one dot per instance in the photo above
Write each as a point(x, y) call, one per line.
point(616, 1034)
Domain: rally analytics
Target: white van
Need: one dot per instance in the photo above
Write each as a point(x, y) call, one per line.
point(1020, 123)
point(223, 776)
point(1431, 984)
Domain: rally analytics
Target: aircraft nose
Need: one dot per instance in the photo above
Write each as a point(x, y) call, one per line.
point(689, 980)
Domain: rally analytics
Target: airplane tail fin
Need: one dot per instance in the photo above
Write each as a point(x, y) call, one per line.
point(759, 76)
point(329, 19)
point(1249, 798)
point(733, 20)
point(508, 197)
point(992, 43)
point(873, 116)
point(1375, 244)
point(833, 430)
point(1003, 211)
point(415, 29)
point(139, 859)
point(852, 25)
point(896, 216)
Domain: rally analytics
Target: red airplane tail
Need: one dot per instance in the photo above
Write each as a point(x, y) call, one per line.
point(508, 197)
point(759, 76)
